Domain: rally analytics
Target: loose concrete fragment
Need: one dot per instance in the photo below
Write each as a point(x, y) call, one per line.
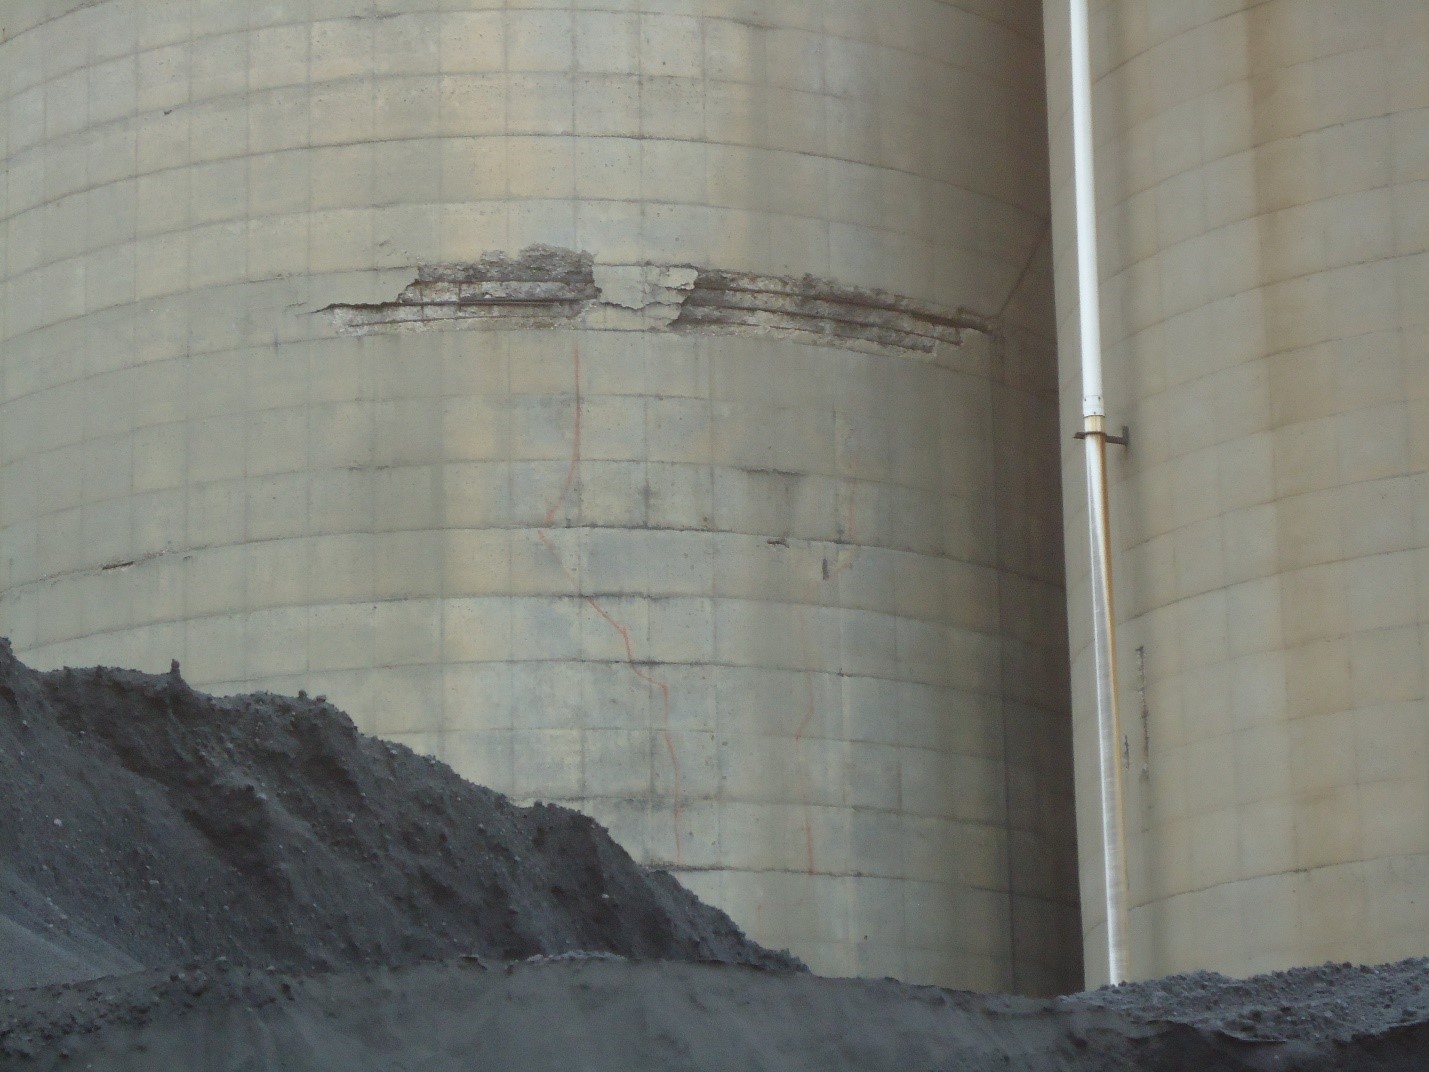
point(658, 292)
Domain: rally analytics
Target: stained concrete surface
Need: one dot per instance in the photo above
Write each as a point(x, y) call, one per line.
point(791, 614)
point(1262, 179)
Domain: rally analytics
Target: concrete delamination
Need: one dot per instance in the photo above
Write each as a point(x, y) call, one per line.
point(548, 287)
point(835, 314)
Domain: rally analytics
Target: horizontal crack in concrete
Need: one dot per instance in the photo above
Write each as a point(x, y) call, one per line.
point(546, 287)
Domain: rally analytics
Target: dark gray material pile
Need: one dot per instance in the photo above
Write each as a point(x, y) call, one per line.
point(605, 1014)
point(250, 884)
point(145, 824)
point(1332, 1002)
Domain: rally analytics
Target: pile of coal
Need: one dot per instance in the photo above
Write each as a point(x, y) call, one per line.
point(1324, 1003)
point(144, 824)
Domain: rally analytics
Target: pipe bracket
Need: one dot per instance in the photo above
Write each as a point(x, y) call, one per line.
point(1123, 440)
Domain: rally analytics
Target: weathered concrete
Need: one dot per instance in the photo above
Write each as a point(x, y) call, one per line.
point(689, 543)
point(544, 287)
point(1263, 172)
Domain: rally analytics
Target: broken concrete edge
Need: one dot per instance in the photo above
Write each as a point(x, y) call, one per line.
point(544, 287)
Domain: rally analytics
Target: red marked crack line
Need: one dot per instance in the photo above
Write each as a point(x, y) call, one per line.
point(810, 708)
point(649, 679)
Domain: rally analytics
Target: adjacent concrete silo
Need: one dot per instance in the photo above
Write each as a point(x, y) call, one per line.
point(1263, 174)
point(648, 407)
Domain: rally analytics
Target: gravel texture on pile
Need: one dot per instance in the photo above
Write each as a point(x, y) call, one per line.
point(208, 885)
point(1337, 1002)
point(144, 824)
point(600, 1013)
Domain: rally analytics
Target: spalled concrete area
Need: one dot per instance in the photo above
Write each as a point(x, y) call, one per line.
point(543, 287)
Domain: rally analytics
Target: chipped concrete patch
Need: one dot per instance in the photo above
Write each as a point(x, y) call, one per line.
point(538, 287)
point(657, 293)
point(546, 287)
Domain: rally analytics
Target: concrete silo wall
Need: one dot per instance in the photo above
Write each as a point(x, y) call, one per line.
point(647, 407)
point(1262, 171)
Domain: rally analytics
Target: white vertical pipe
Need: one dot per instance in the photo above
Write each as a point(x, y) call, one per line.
point(1098, 513)
point(1084, 181)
